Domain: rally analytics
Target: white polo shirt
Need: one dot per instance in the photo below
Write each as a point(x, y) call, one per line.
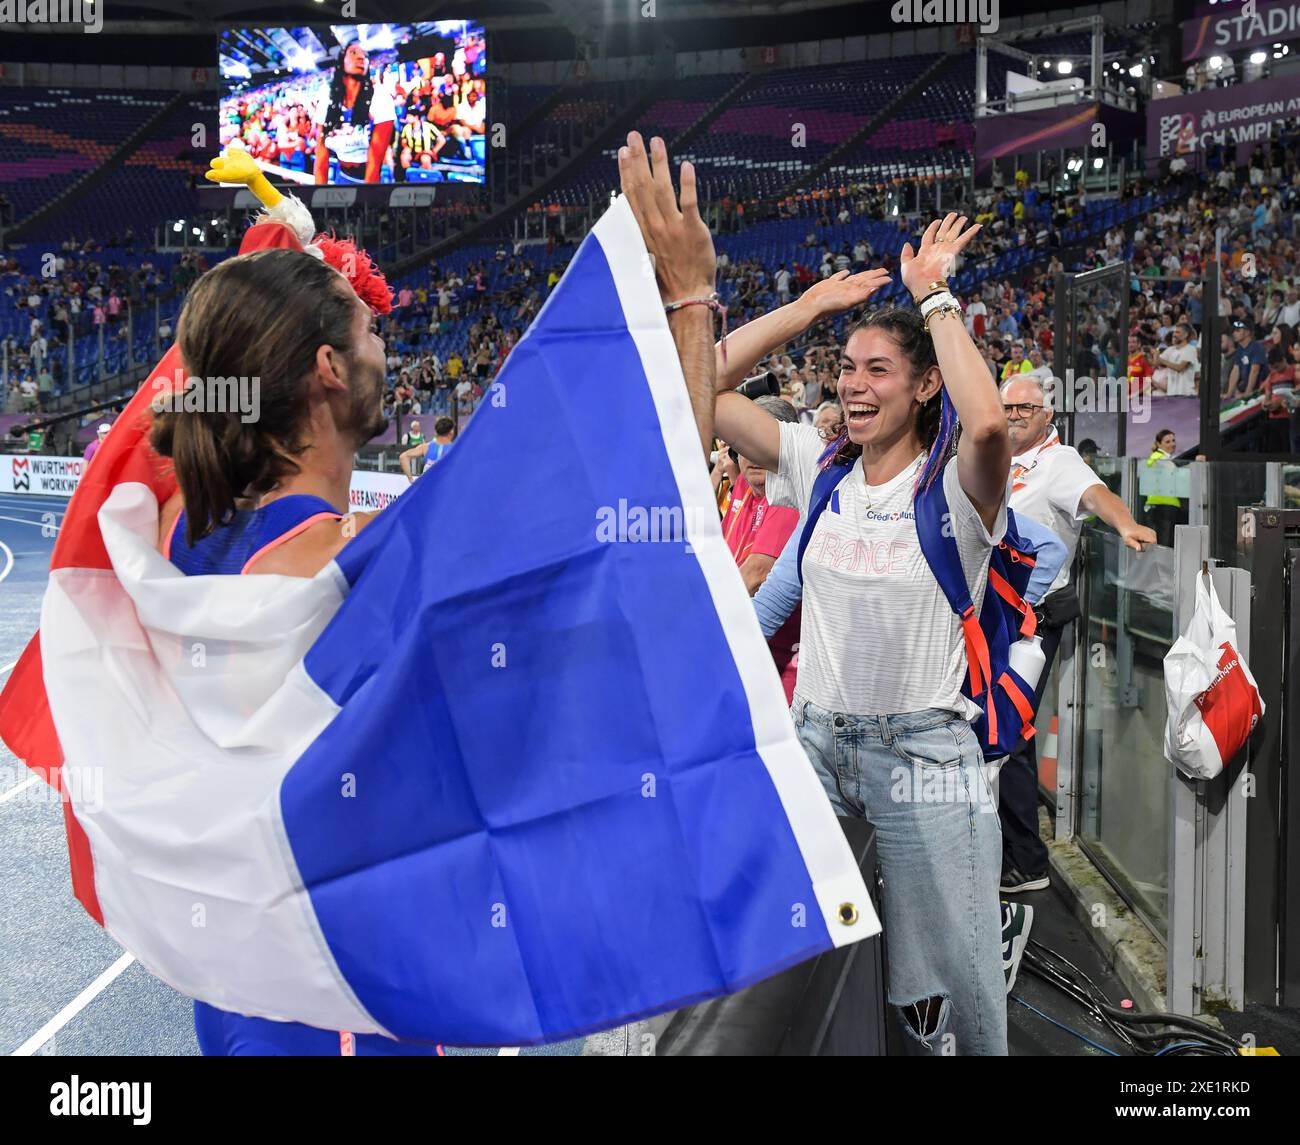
point(1181, 383)
point(1047, 484)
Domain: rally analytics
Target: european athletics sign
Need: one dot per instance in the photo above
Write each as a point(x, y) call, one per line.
point(1244, 114)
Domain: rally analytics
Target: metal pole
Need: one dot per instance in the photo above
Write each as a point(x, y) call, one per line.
point(1273, 484)
point(1097, 53)
point(1210, 361)
point(1191, 548)
point(1064, 340)
point(1121, 446)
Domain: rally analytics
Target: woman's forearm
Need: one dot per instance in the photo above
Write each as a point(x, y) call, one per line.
point(973, 392)
point(752, 342)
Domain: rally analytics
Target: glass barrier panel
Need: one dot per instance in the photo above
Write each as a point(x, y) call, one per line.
point(1046, 719)
point(1233, 484)
point(1291, 486)
point(1124, 777)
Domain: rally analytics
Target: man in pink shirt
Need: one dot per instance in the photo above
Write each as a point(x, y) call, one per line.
point(93, 447)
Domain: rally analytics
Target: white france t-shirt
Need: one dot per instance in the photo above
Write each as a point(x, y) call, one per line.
point(878, 636)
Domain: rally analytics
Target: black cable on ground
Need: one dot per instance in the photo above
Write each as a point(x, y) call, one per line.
point(1140, 1032)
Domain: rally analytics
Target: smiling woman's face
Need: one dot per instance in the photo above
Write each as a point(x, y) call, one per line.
point(876, 387)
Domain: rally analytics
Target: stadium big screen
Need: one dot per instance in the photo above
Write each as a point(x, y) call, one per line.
point(358, 103)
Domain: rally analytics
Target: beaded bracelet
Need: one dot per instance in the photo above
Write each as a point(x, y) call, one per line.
point(714, 303)
point(940, 310)
point(935, 301)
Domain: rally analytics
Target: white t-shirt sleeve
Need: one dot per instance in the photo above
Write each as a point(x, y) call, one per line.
point(791, 485)
point(320, 109)
point(1070, 479)
point(383, 108)
point(968, 525)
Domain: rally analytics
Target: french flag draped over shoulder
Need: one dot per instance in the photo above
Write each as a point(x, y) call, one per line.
point(503, 773)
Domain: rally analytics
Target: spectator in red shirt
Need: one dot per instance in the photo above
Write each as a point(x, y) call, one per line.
point(1139, 368)
point(1279, 399)
point(756, 533)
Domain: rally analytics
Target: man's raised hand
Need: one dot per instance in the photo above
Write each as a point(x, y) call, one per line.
point(677, 237)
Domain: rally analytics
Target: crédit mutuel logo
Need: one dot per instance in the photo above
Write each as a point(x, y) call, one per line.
point(981, 12)
point(88, 13)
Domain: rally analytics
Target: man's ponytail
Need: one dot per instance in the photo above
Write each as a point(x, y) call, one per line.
point(252, 321)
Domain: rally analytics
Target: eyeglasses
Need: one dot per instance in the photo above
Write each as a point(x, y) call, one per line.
point(1024, 409)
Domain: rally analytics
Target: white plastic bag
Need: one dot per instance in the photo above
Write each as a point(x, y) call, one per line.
point(1213, 701)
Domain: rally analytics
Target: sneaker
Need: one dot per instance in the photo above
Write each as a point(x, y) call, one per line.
point(1015, 881)
point(1016, 921)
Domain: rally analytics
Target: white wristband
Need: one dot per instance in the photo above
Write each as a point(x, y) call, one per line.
point(943, 298)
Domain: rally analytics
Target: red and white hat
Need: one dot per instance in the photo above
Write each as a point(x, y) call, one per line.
point(289, 226)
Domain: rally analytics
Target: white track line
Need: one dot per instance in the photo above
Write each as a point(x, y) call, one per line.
point(6, 668)
point(508, 1052)
point(73, 1008)
point(9, 560)
point(26, 783)
point(22, 521)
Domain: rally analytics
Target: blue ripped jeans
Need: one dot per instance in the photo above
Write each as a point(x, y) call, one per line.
point(919, 778)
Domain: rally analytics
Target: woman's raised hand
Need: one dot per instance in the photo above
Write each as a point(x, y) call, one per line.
point(843, 291)
point(943, 241)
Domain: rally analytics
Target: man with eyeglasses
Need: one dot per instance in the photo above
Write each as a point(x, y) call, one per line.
point(1050, 484)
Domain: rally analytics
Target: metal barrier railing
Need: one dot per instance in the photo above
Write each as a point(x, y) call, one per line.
point(1178, 851)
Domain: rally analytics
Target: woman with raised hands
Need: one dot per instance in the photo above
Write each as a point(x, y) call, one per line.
point(878, 701)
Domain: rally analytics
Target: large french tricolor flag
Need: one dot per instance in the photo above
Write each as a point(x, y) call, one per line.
point(503, 773)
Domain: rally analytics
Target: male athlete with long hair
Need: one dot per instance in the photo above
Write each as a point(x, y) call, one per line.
point(270, 496)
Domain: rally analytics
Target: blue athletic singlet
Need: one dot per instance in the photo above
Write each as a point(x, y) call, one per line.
point(231, 549)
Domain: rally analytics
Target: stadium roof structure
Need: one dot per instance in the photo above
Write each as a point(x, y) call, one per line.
point(583, 17)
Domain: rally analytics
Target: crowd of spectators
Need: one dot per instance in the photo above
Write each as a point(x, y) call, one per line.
point(1246, 213)
point(420, 381)
point(77, 296)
